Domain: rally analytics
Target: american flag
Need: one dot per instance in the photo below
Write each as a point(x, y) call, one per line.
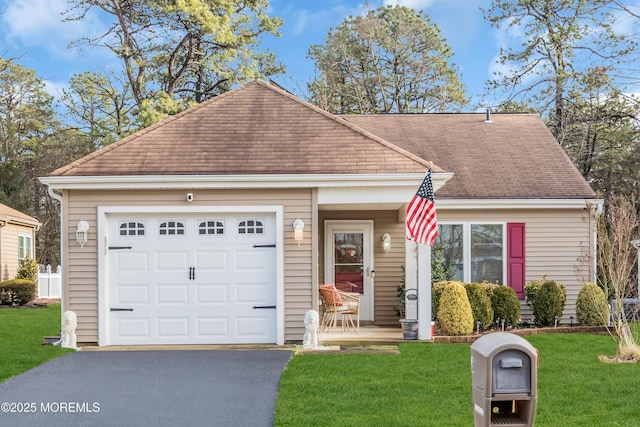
point(422, 225)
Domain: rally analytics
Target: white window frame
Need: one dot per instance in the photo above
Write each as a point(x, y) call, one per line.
point(138, 222)
point(251, 230)
point(466, 246)
point(23, 247)
point(180, 225)
point(207, 235)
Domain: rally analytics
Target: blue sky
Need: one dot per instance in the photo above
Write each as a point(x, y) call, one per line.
point(33, 31)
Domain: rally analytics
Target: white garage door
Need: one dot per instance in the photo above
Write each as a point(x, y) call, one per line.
point(191, 279)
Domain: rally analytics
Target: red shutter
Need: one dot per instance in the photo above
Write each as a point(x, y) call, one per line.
point(515, 257)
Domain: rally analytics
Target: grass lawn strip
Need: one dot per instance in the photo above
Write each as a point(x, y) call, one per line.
point(430, 385)
point(22, 333)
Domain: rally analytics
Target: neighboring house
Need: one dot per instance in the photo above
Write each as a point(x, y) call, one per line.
point(17, 240)
point(191, 221)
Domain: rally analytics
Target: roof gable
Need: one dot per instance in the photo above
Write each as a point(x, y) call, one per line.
point(513, 156)
point(9, 214)
point(256, 129)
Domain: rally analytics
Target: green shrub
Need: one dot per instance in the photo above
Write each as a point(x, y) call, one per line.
point(505, 304)
point(17, 291)
point(480, 304)
point(436, 293)
point(591, 306)
point(531, 290)
point(441, 270)
point(28, 269)
point(454, 313)
point(547, 299)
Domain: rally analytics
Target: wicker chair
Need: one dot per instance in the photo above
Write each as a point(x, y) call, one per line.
point(336, 302)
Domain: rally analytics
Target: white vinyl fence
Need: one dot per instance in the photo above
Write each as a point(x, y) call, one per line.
point(49, 283)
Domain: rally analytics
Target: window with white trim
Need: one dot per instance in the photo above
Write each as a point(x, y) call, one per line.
point(25, 245)
point(171, 228)
point(132, 228)
point(211, 227)
point(250, 227)
point(475, 252)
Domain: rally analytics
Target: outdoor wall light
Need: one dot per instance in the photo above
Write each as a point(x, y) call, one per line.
point(298, 228)
point(82, 233)
point(386, 242)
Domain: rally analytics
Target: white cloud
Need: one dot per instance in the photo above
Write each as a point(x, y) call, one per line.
point(319, 21)
point(413, 4)
point(39, 23)
point(55, 88)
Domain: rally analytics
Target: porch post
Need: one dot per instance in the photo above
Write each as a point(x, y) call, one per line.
point(424, 292)
point(411, 277)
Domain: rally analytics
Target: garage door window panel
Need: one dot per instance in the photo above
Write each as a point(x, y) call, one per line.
point(211, 227)
point(132, 228)
point(172, 228)
point(250, 227)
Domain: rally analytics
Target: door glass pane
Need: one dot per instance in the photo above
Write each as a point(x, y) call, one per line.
point(486, 253)
point(449, 248)
point(348, 264)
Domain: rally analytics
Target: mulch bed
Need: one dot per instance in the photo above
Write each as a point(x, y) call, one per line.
point(38, 303)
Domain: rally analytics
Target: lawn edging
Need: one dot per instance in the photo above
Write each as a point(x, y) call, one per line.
point(468, 339)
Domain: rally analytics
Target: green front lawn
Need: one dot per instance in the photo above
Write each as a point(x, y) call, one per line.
point(426, 385)
point(21, 334)
point(430, 385)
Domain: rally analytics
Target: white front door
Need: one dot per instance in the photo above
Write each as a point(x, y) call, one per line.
point(349, 260)
point(201, 278)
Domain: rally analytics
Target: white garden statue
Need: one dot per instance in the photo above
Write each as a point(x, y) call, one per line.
point(311, 325)
point(68, 336)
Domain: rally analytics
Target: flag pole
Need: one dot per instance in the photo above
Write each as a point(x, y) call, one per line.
point(424, 292)
point(422, 228)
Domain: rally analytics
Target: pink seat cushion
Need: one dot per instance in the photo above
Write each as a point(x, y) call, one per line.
point(330, 295)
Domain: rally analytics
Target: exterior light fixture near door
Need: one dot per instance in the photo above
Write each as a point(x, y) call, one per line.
point(386, 242)
point(298, 229)
point(82, 233)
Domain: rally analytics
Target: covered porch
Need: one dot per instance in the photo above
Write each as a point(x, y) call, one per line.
point(362, 248)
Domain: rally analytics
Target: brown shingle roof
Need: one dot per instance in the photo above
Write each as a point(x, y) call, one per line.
point(256, 129)
point(514, 156)
point(261, 129)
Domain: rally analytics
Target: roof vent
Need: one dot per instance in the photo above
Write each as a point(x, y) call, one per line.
point(488, 118)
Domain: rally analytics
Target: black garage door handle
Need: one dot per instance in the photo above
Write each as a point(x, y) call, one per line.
point(263, 306)
point(121, 309)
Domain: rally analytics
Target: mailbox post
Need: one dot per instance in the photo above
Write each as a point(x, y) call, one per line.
point(505, 380)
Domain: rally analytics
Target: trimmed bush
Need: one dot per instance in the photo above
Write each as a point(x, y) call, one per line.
point(547, 299)
point(505, 304)
point(28, 269)
point(17, 291)
point(454, 313)
point(436, 293)
point(591, 306)
point(480, 304)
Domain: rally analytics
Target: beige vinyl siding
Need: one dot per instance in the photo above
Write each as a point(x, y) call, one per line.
point(556, 242)
point(9, 246)
point(81, 264)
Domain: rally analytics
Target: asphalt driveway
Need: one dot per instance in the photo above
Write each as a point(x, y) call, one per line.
point(147, 388)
